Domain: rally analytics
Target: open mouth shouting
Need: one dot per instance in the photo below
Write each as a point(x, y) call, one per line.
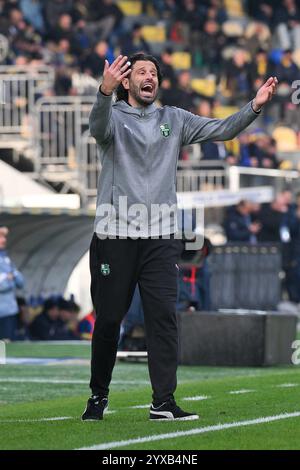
point(147, 90)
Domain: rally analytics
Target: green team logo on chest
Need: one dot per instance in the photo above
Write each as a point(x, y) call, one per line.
point(165, 130)
point(105, 269)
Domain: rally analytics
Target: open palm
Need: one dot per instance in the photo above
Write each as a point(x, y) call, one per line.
point(266, 92)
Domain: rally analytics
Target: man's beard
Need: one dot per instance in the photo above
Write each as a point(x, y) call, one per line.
point(143, 101)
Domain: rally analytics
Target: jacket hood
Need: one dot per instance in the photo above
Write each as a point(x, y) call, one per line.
point(142, 111)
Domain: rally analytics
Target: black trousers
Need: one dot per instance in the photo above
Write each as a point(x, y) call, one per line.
point(116, 266)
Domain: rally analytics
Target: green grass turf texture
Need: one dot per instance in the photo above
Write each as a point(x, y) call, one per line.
point(25, 400)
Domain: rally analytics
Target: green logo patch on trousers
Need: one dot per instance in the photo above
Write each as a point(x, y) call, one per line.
point(105, 269)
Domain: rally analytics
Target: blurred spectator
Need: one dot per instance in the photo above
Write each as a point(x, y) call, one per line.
point(105, 19)
point(53, 9)
point(263, 153)
point(293, 264)
point(286, 71)
point(287, 20)
point(272, 217)
point(259, 69)
point(46, 325)
point(262, 11)
point(257, 36)
point(238, 224)
point(33, 12)
point(194, 279)
point(191, 14)
point(64, 31)
point(238, 78)
point(10, 280)
point(63, 83)
point(168, 93)
point(166, 9)
point(244, 149)
point(186, 96)
point(212, 40)
point(214, 151)
point(167, 69)
point(86, 326)
point(95, 61)
point(64, 56)
point(23, 321)
point(134, 42)
point(67, 320)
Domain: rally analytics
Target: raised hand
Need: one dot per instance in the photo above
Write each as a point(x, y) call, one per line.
point(114, 74)
point(265, 93)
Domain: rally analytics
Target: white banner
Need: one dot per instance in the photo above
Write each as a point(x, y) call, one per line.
point(224, 197)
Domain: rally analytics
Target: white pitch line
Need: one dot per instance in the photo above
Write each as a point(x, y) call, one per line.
point(197, 398)
point(36, 420)
point(239, 392)
point(67, 381)
point(191, 432)
point(288, 385)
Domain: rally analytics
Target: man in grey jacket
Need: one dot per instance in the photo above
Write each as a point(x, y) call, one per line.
point(134, 234)
point(10, 280)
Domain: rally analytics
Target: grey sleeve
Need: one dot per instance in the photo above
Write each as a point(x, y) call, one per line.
point(199, 129)
point(100, 119)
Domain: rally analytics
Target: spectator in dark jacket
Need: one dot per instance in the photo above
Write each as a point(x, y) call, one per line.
point(238, 224)
point(135, 42)
point(293, 267)
point(167, 68)
point(287, 20)
point(287, 71)
point(46, 325)
point(68, 320)
point(95, 61)
point(272, 217)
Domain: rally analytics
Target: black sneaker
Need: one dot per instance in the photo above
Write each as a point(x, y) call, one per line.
point(169, 411)
point(95, 408)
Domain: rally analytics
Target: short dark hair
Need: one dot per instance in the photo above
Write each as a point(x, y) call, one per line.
point(122, 94)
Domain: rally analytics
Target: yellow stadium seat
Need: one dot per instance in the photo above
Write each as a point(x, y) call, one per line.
point(286, 139)
point(181, 60)
point(130, 7)
point(154, 33)
point(233, 146)
point(204, 86)
point(286, 165)
point(222, 112)
point(296, 57)
point(234, 8)
point(232, 29)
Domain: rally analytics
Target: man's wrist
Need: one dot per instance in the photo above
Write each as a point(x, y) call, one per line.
point(104, 91)
point(254, 107)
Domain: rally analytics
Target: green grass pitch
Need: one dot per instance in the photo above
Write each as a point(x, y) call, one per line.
point(41, 405)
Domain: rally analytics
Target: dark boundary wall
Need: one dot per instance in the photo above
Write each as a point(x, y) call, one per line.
point(232, 339)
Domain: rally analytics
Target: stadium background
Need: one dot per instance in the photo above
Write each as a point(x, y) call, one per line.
point(215, 54)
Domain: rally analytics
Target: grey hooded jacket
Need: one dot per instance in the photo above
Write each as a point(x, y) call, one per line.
point(139, 149)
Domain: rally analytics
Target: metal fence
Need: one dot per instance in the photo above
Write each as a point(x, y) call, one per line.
point(89, 166)
point(241, 177)
point(21, 87)
point(201, 176)
point(60, 123)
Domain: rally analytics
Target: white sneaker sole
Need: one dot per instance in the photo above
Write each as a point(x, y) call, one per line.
point(186, 418)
